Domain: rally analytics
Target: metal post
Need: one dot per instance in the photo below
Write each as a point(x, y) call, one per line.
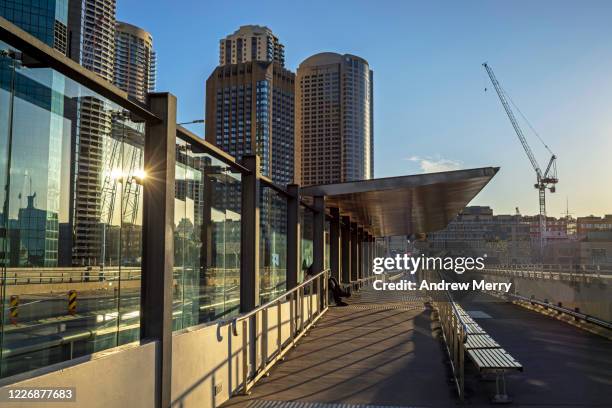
point(354, 252)
point(293, 235)
point(368, 255)
point(318, 239)
point(158, 238)
point(334, 244)
point(345, 253)
point(360, 242)
point(249, 243)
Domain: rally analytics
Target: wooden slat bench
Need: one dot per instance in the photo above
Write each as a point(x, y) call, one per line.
point(493, 360)
point(474, 328)
point(489, 357)
point(480, 341)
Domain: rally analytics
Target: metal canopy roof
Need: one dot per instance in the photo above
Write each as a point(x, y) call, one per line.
point(405, 205)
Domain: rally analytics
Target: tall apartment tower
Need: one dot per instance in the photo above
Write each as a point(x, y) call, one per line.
point(334, 119)
point(92, 35)
point(251, 43)
point(134, 60)
point(250, 105)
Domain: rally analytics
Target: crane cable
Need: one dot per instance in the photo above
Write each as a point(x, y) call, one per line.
point(526, 120)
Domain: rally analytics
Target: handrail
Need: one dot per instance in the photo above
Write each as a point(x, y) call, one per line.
point(274, 301)
point(454, 332)
point(257, 359)
point(561, 309)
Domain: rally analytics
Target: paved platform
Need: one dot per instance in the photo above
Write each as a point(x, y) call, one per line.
point(564, 366)
point(378, 351)
point(382, 351)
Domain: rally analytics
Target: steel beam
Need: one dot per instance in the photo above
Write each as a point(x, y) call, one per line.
point(334, 244)
point(293, 235)
point(354, 252)
point(345, 235)
point(318, 239)
point(158, 239)
point(249, 240)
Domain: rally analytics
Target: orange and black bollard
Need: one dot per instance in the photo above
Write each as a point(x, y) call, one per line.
point(14, 309)
point(72, 298)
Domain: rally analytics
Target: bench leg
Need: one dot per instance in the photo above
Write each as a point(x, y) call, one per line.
point(500, 397)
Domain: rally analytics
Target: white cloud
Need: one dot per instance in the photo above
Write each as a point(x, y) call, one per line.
point(435, 164)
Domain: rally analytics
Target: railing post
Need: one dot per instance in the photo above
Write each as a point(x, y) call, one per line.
point(293, 235)
point(279, 326)
point(245, 357)
point(158, 238)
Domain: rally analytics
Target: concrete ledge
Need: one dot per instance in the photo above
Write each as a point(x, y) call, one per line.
point(119, 377)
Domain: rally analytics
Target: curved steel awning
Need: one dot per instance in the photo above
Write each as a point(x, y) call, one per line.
point(405, 205)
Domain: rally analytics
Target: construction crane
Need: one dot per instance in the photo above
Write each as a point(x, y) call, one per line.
point(544, 180)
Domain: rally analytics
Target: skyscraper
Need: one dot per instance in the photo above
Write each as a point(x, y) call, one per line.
point(251, 43)
point(250, 108)
point(92, 35)
point(46, 21)
point(134, 60)
point(334, 119)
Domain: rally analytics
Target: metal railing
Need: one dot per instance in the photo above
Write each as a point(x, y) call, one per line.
point(362, 282)
point(553, 272)
point(576, 314)
point(28, 276)
point(454, 333)
point(255, 345)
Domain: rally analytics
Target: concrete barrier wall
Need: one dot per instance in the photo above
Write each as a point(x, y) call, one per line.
point(592, 297)
point(119, 377)
point(207, 360)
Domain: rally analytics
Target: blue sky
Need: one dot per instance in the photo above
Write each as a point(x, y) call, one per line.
point(554, 58)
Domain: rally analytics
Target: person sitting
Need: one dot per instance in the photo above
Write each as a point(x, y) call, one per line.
point(338, 292)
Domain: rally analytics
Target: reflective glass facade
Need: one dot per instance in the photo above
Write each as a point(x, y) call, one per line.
point(46, 20)
point(41, 152)
point(272, 244)
point(306, 242)
point(207, 226)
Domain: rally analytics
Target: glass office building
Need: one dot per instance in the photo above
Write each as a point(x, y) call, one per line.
point(46, 20)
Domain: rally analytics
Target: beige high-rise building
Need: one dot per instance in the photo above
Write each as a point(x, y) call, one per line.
point(334, 119)
point(250, 101)
point(251, 43)
point(134, 60)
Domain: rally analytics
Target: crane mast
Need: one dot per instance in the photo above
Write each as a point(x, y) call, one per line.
point(546, 180)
